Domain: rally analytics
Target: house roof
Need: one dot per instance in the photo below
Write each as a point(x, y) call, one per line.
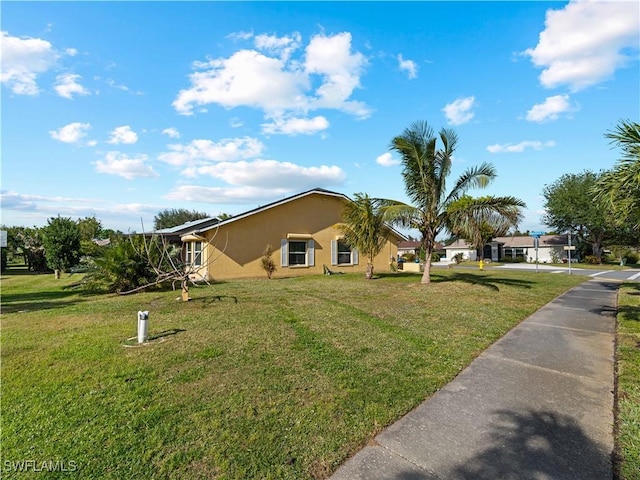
point(187, 228)
point(414, 244)
point(518, 242)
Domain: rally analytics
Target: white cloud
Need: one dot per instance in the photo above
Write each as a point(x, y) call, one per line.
point(71, 133)
point(23, 59)
point(235, 122)
point(123, 134)
point(72, 52)
point(272, 174)
point(409, 66)
point(460, 110)
point(519, 147)
point(295, 126)
point(585, 42)
point(240, 35)
point(550, 109)
point(386, 160)
point(226, 195)
point(171, 132)
point(26, 209)
point(67, 85)
point(281, 46)
point(199, 152)
point(279, 85)
point(116, 163)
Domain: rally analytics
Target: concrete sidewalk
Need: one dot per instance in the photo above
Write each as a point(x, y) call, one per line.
point(538, 404)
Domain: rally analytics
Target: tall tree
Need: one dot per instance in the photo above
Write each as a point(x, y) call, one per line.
point(478, 220)
point(570, 207)
point(62, 243)
point(619, 188)
point(172, 217)
point(426, 167)
point(364, 228)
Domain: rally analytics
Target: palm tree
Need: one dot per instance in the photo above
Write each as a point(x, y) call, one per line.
point(619, 188)
point(425, 171)
point(364, 228)
point(478, 220)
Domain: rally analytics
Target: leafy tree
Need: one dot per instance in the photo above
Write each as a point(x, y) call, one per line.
point(32, 240)
point(570, 207)
point(619, 188)
point(364, 227)
point(90, 228)
point(478, 220)
point(426, 167)
point(61, 243)
point(172, 217)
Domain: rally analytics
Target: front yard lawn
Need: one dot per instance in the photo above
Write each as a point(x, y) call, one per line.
point(280, 379)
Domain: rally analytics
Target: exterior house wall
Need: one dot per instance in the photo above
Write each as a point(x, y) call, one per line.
point(237, 245)
point(467, 253)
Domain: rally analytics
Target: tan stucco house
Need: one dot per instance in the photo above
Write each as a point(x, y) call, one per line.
point(302, 230)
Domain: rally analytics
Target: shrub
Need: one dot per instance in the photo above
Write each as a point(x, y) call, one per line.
point(458, 257)
point(435, 257)
point(268, 265)
point(631, 256)
point(409, 257)
point(591, 259)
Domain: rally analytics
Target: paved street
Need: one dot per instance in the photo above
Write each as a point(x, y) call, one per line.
point(604, 274)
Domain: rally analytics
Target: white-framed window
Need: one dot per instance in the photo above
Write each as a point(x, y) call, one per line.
point(343, 254)
point(297, 252)
point(194, 254)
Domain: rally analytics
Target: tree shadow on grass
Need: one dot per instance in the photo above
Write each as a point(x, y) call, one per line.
point(215, 298)
point(631, 312)
point(42, 300)
point(488, 281)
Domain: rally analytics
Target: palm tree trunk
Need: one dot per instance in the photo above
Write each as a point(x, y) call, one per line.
point(426, 276)
point(369, 273)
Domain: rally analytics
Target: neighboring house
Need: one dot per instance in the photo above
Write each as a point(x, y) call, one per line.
point(550, 248)
point(413, 247)
point(302, 230)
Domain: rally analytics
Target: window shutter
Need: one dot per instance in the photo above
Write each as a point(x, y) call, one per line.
point(334, 252)
point(354, 256)
point(311, 254)
point(284, 252)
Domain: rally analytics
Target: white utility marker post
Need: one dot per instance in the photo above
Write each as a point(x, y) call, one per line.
point(142, 326)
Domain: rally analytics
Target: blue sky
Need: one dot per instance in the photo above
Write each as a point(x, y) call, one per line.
point(120, 110)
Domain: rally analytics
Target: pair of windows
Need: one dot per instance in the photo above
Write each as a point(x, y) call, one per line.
point(301, 252)
point(193, 255)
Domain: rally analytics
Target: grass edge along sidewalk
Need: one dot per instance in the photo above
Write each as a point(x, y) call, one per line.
point(628, 383)
point(252, 379)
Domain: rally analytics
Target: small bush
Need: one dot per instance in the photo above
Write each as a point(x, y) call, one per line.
point(592, 260)
point(435, 257)
point(458, 257)
point(409, 257)
point(631, 256)
point(268, 265)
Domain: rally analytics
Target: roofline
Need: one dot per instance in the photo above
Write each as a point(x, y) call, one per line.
point(320, 191)
point(274, 204)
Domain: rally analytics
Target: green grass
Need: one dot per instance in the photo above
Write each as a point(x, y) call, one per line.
point(280, 379)
point(628, 388)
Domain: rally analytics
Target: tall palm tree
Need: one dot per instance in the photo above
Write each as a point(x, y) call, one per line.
point(364, 228)
point(426, 167)
point(619, 188)
point(477, 220)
